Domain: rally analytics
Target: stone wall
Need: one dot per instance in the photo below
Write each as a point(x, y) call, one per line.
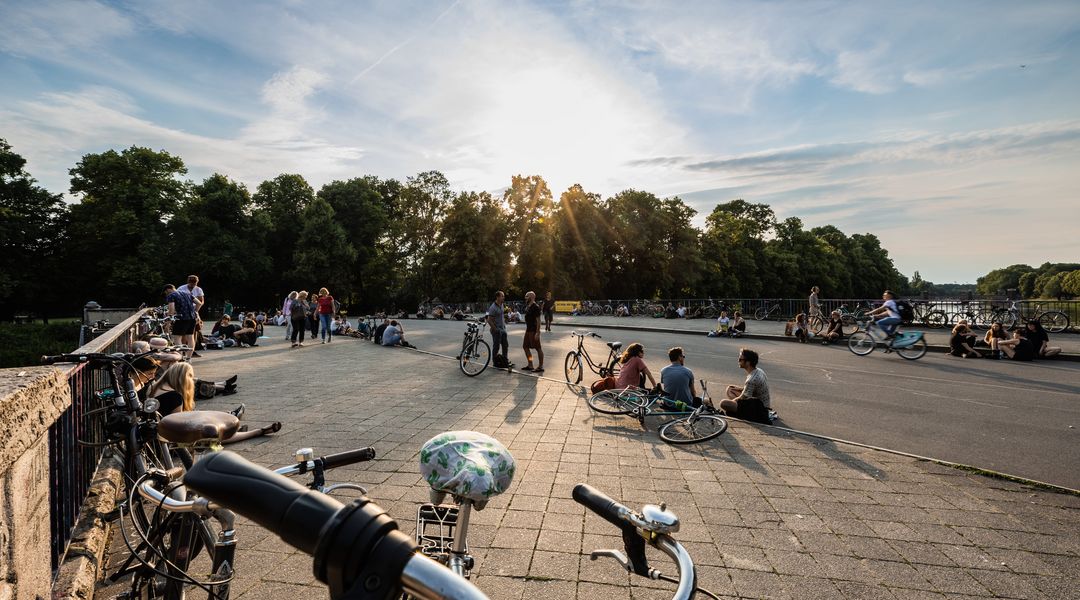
point(30, 401)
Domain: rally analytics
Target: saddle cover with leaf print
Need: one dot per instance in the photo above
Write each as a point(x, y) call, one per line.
point(467, 464)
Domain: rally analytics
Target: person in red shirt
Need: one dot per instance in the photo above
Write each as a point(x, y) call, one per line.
point(326, 314)
point(633, 367)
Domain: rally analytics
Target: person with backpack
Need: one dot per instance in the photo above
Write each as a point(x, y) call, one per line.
point(298, 313)
point(891, 310)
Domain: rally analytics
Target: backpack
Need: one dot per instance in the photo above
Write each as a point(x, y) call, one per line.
point(607, 383)
point(907, 312)
point(499, 362)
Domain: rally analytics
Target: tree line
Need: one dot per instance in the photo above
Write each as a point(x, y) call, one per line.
point(376, 242)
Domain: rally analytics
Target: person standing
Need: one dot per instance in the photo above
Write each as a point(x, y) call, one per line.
point(198, 298)
point(286, 311)
point(549, 310)
point(532, 333)
point(815, 303)
point(326, 313)
point(750, 402)
point(182, 307)
point(228, 308)
point(313, 316)
point(497, 322)
point(298, 313)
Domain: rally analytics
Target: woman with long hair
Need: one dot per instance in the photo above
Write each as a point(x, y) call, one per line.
point(995, 334)
point(632, 368)
point(1038, 337)
point(175, 389)
point(326, 313)
point(298, 313)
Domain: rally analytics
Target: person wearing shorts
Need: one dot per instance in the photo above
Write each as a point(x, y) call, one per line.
point(532, 333)
point(183, 308)
point(549, 311)
point(750, 402)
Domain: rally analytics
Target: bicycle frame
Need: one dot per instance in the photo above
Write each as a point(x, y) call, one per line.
point(604, 369)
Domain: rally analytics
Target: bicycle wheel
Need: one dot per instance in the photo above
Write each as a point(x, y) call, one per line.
point(475, 359)
point(614, 402)
point(848, 324)
point(761, 313)
point(1054, 321)
point(572, 367)
point(607, 310)
point(935, 319)
point(816, 324)
point(688, 430)
point(861, 343)
point(914, 351)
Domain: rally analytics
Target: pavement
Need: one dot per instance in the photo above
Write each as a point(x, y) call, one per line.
point(765, 513)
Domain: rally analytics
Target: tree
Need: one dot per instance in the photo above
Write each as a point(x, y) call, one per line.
point(733, 248)
point(421, 206)
point(360, 211)
point(118, 231)
point(215, 234)
point(999, 280)
point(472, 253)
point(323, 253)
point(31, 236)
point(583, 238)
point(280, 202)
point(530, 207)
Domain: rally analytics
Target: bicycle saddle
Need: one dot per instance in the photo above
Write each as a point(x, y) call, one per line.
point(614, 345)
point(197, 426)
point(467, 464)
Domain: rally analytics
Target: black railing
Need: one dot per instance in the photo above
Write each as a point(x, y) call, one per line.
point(75, 439)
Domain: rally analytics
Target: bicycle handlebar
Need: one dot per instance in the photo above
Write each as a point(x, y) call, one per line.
point(84, 357)
point(358, 550)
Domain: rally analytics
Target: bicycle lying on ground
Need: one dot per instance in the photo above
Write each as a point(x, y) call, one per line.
point(690, 425)
point(910, 345)
point(475, 352)
point(573, 366)
point(359, 552)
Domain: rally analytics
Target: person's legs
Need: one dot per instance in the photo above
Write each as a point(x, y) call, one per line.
point(526, 342)
point(288, 329)
point(326, 333)
point(504, 341)
point(539, 353)
point(1050, 351)
point(889, 324)
point(730, 407)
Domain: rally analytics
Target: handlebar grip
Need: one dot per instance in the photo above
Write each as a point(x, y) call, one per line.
point(64, 358)
point(600, 503)
point(597, 336)
point(276, 503)
point(348, 457)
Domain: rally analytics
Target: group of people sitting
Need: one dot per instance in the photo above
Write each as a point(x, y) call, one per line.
point(749, 401)
point(734, 326)
point(226, 333)
point(390, 333)
point(1024, 343)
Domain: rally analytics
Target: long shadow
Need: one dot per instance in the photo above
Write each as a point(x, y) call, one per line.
point(523, 400)
point(1045, 384)
point(829, 449)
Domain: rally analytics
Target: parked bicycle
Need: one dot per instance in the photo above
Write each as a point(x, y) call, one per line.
point(928, 315)
point(1053, 321)
point(770, 310)
point(910, 345)
point(359, 552)
point(577, 359)
point(848, 323)
point(187, 532)
point(475, 351)
point(689, 425)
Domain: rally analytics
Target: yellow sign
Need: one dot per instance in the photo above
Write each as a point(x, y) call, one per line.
point(565, 306)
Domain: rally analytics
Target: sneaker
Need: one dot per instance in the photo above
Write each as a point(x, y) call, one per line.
point(301, 344)
point(323, 342)
point(195, 354)
point(294, 344)
point(538, 370)
point(527, 368)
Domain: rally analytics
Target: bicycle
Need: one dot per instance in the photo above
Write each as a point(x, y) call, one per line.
point(180, 531)
point(358, 551)
point(926, 314)
point(977, 319)
point(694, 425)
point(909, 345)
point(848, 323)
point(475, 352)
point(1052, 321)
point(573, 367)
point(767, 311)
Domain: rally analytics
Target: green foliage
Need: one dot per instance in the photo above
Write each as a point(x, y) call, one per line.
point(31, 236)
point(323, 256)
point(23, 344)
point(530, 208)
point(1047, 281)
point(999, 280)
point(473, 248)
point(582, 240)
point(279, 202)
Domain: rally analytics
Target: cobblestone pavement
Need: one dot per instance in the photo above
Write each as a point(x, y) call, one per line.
point(764, 514)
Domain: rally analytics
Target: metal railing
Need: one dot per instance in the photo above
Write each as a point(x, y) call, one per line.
point(75, 440)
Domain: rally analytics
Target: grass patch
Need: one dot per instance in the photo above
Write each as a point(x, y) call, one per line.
point(23, 344)
point(1005, 477)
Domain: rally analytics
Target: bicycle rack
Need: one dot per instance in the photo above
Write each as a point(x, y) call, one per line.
point(435, 527)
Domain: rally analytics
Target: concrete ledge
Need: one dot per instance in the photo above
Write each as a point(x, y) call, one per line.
point(78, 574)
point(751, 336)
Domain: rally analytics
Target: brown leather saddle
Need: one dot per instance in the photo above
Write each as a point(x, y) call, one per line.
point(197, 426)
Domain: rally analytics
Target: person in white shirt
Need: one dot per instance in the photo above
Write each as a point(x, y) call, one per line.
point(891, 320)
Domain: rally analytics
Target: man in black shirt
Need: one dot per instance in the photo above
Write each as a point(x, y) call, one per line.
point(532, 333)
point(1018, 348)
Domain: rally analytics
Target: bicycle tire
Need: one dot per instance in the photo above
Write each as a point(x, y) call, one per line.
point(861, 343)
point(613, 402)
point(914, 351)
point(607, 310)
point(935, 319)
point(1054, 321)
point(817, 324)
point(572, 367)
point(475, 359)
point(692, 429)
point(848, 324)
point(761, 313)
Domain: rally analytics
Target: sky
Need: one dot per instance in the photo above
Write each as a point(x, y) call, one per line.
point(951, 130)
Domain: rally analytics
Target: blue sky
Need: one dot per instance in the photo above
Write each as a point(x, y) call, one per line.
point(949, 129)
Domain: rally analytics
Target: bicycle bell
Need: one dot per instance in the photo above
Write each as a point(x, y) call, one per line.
point(659, 518)
point(305, 455)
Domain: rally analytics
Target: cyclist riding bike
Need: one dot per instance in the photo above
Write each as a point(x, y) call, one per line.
point(891, 320)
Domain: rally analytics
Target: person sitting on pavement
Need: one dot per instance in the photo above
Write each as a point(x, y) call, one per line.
point(738, 325)
point(750, 402)
point(458, 315)
point(723, 325)
point(622, 311)
point(670, 312)
point(891, 320)
point(632, 368)
point(677, 380)
point(680, 311)
point(961, 342)
point(802, 328)
point(1017, 348)
point(394, 335)
point(835, 332)
point(439, 313)
point(380, 329)
point(995, 334)
point(1036, 334)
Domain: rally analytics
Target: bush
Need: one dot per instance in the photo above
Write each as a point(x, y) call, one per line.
point(21, 345)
